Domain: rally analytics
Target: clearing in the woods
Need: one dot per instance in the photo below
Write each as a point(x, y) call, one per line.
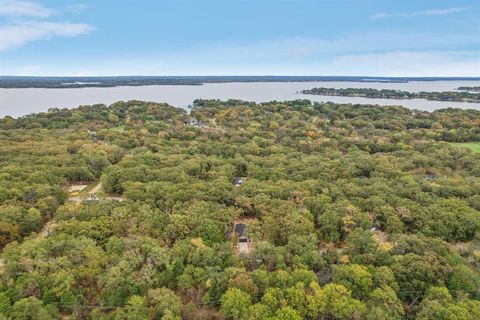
point(474, 146)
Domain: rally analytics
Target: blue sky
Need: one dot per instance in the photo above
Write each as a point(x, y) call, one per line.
point(240, 37)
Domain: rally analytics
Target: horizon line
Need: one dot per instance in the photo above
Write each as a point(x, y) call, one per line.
point(233, 75)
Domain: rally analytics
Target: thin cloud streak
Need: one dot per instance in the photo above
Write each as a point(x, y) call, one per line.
point(394, 63)
point(31, 9)
point(76, 8)
point(309, 50)
point(424, 13)
point(17, 35)
point(410, 63)
point(28, 21)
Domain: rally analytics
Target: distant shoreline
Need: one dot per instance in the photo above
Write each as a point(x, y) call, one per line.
point(19, 82)
point(454, 96)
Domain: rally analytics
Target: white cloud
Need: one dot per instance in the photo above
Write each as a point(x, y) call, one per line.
point(409, 63)
point(76, 8)
point(310, 50)
point(394, 63)
point(432, 12)
point(17, 8)
point(408, 55)
point(28, 21)
point(18, 34)
point(442, 12)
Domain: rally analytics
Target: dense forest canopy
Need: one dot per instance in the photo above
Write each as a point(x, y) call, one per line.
point(459, 96)
point(350, 211)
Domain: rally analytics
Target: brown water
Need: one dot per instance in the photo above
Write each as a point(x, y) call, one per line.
point(18, 102)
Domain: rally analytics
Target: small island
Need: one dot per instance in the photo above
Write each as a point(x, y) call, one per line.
point(396, 94)
point(471, 89)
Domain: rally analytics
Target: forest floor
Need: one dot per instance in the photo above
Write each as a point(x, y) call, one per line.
point(47, 229)
point(92, 193)
point(95, 189)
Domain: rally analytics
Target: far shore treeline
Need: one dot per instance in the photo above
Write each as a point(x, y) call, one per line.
point(458, 96)
point(88, 82)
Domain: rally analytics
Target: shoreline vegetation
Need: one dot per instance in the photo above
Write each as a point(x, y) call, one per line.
point(454, 96)
point(10, 82)
point(240, 211)
point(471, 89)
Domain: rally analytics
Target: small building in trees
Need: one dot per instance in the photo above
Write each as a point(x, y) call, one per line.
point(237, 182)
point(429, 177)
point(243, 242)
point(240, 229)
point(243, 245)
point(194, 122)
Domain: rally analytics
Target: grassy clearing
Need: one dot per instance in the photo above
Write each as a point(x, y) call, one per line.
point(474, 146)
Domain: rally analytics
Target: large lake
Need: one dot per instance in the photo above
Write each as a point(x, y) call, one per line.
point(18, 102)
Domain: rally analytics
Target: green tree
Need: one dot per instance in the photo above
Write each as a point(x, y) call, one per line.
point(32, 309)
point(439, 304)
point(164, 302)
point(415, 274)
point(235, 303)
point(354, 277)
point(360, 242)
point(340, 304)
point(383, 304)
point(259, 311)
point(5, 304)
point(136, 309)
point(287, 313)
point(464, 279)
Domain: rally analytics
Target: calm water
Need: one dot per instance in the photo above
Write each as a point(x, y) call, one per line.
point(18, 102)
